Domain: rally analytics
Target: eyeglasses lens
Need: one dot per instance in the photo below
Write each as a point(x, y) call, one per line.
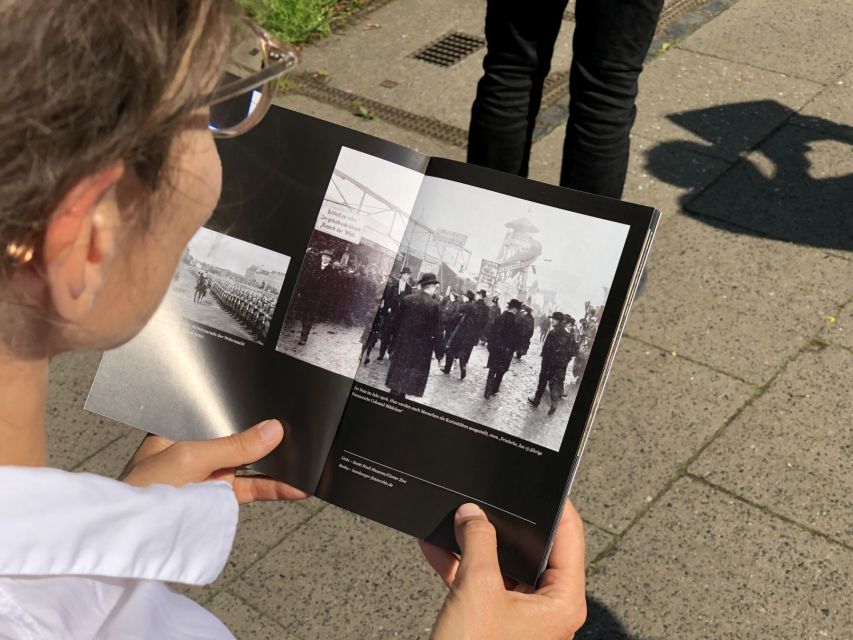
point(248, 57)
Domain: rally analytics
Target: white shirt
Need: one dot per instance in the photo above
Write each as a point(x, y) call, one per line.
point(83, 556)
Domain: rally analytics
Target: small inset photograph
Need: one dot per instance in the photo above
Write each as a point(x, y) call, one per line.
point(342, 300)
point(228, 284)
point(501, 308)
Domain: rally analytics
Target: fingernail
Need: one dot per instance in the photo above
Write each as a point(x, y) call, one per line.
point(270, 430)
point(469, 510)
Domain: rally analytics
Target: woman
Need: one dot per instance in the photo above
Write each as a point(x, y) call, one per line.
point(107, 169)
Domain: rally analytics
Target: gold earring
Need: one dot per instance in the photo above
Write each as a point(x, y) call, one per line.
point(19, 253)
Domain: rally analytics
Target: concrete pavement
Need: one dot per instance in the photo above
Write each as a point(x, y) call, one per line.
point(716, 485)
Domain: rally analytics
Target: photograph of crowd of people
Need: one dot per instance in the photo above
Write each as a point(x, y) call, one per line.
point(228, 284)
point(336, 308)
point(492, 309)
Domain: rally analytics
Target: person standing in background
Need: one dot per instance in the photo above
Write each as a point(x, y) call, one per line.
point(610, 43)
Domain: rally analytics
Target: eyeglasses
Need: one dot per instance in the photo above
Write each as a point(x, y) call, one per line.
point(247, 86)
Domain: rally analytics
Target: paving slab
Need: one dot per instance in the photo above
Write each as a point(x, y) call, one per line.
point(245, 622)
point(806, 39)
point(112, 459)
point(831, 110)
point(374, 127)
point(735, 301)
point(72, 433)
point(344, 573)
point(714, 106)
point(840, 330)
point(656, 411)
point(262, 526)
point(596, 540)
point(792, 450)
point(701, 564)
point(795, 187)
point(379, 50)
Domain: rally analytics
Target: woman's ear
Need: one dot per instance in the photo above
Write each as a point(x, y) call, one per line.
point(79, 241)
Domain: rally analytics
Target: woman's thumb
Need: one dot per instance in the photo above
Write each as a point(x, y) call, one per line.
point(478, 541)
point(241, 448)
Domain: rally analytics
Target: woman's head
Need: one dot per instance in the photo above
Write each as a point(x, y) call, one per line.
point(107, 167)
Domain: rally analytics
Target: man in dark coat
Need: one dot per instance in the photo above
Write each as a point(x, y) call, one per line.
point(504, 339)
point(494, 311)
point(418, 335)
point(557, 351)
point(451, 312)
point(467, 332)
point(395, 290)
point(527, 326)
point(317, 289)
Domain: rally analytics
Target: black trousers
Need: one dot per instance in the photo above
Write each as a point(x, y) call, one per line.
point(555, 386)
point(611, 40)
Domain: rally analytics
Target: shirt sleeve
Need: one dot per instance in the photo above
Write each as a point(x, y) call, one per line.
point(55, 522)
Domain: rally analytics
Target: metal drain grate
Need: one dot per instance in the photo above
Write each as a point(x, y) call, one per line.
point(450, 49)
point(319, 90)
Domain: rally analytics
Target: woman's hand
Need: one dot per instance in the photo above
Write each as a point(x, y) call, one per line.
point(482, 605)
point(162, 461)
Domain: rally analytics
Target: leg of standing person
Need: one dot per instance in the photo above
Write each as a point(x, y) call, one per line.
point(555, 390)
point(307, 323)
point(540, 389)
point(520, 45)
point(610, 43)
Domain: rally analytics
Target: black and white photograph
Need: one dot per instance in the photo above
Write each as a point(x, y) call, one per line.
point(499, 310)
point(228, 284)
point(349, 282)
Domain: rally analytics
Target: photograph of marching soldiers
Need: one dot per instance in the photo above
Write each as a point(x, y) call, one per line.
point(228, 284)
point(492, 308)
point(342, 302)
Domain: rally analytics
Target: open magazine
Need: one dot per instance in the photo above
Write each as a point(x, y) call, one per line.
point(429, 332)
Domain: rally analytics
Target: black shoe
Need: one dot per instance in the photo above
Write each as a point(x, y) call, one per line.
point(445, 370)
point(302, 341)
point(534, 402)
point(462, 373)
point(552, 410)
point(381, 357)
point(486, 394)
point(367, 361)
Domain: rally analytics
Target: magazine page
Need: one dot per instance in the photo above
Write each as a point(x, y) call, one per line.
point(265, 311)
point(495, 356)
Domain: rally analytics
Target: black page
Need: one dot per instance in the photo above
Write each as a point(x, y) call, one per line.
point(411, 471)
point(183, 382)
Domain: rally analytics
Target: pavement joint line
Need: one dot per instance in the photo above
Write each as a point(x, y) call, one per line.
point(226, 585)
point(751, 66)
point(598, 527)
point(92, 455)
point(682, 470)
point(767, 510)
point(670, 352)
point(239, 598)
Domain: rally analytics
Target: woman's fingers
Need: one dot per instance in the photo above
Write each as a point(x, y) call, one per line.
point(253, 488)
point(443, 562)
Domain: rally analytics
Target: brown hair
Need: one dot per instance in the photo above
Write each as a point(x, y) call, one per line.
point(87, 83)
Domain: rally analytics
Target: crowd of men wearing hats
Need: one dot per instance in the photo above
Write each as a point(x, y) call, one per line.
point(418, 325)
point(329, 291)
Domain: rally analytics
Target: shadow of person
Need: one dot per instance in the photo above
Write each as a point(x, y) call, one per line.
point(796, 186)
point(601, 624)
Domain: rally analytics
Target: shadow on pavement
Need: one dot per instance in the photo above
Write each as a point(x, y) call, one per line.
point(601, 624)
point(796, 186)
